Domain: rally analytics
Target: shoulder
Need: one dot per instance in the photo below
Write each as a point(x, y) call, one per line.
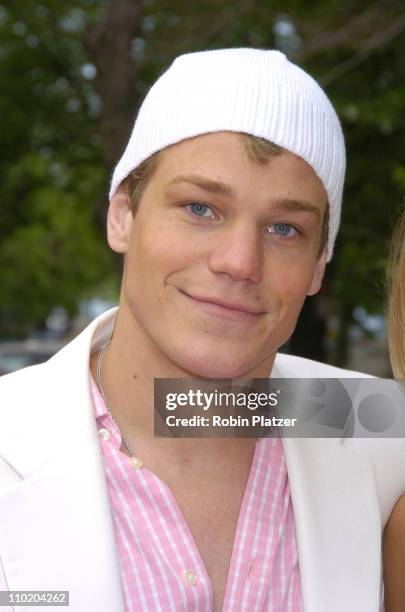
point(37, 402)
point(291, 366)
point(25, 405)
point(63, 368)
point(384, 456)
point(33, 399)
point(22, 382)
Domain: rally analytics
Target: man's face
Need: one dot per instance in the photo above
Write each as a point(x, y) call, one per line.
point(220, 255)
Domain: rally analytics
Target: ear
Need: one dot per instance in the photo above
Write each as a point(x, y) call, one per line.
point(119, 220)
point(318, 274)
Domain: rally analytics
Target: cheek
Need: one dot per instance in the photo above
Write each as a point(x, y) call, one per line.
point(154, 255)
point(293, 283)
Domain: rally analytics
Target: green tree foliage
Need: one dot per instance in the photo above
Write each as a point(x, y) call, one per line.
point(51, 167)
point(72, 77)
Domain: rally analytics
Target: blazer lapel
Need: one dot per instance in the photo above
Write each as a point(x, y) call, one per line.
point(338, 527)
point(58, 516)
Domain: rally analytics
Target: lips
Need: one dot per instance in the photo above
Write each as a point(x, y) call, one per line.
point(224, 307)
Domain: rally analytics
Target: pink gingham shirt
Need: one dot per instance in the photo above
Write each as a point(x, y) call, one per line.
point(161, 568)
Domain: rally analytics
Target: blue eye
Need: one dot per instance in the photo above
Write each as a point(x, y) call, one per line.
point(200, 210)
point(282, 229)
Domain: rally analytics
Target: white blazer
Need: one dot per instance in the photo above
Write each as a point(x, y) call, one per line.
point(56, 530)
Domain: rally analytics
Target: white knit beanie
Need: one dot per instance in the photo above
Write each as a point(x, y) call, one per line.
point(242, 90)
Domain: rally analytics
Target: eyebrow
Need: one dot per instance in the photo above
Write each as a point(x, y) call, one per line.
point(297, 206)
point(219, 188)
point(205, 183)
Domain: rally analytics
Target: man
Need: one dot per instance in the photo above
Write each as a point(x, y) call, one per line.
point(225, 205)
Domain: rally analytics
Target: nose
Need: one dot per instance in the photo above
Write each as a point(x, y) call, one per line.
point(238, 252)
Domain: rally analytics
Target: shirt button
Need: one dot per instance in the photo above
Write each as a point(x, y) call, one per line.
point(105, 434)
point(190, 577)
point(135, 463)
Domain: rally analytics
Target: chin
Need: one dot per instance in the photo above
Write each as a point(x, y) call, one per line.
point(211, 365)
point(208, 372)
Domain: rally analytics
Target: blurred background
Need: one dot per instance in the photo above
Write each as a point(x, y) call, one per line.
point(72, 76)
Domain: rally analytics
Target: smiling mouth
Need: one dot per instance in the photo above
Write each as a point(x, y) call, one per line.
point(222, 308)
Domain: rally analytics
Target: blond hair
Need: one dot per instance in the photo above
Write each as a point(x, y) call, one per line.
point(396, 303)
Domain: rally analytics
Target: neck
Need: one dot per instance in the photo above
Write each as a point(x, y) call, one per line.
point(130, 364)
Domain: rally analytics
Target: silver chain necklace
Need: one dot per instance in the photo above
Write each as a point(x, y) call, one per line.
point(100, 388)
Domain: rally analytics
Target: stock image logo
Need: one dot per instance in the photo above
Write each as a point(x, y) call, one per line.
point(341, 408)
